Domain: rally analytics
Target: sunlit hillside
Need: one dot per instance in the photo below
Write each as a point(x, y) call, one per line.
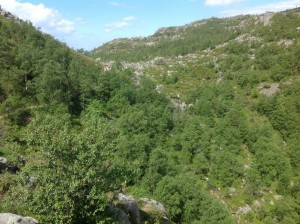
point(194, 124)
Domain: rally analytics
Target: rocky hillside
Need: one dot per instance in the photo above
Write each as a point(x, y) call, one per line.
point(195, 37)
point(76, 142)
point(209, 67)
point(195, 124)
point(171, 41)
point(207, 49)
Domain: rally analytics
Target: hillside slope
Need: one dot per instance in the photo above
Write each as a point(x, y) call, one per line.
point(204, 118)
point(236, 82)
point(74, 138)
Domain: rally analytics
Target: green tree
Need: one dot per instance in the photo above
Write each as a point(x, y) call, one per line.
point(187, 202)
point(74, 172)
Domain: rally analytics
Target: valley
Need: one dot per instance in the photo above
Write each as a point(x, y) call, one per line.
point(200, 120)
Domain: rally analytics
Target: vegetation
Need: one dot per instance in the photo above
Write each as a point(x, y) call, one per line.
point(187, 39)
point(86, 133)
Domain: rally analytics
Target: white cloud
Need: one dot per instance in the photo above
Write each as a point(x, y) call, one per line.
point(220, 2)
point(116, 4)
point(271, 7)
point(117, 25)
point(125, 22)
point(122, 5)
point(129, 18)
point(49, 20)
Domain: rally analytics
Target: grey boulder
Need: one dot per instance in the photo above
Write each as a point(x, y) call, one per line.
point(130, 207)
point(9, 218)
point(3, 164)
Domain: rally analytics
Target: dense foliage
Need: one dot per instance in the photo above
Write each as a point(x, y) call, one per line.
point(238, 133)
point(86, 134)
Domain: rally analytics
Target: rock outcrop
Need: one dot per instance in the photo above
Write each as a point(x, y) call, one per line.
point(9, 218)
point(152, 211)
point(130, 207)
point(6, 14)
point(144, 210)
point(5, 166)
point(244, 210)
point(268, 89)
point(266, 18)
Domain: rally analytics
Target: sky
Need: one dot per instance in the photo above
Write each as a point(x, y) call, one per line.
point(88, 24)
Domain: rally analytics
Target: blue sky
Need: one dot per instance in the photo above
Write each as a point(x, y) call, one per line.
point(89, 23)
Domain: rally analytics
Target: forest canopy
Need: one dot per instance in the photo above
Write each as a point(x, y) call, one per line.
point(77, 134)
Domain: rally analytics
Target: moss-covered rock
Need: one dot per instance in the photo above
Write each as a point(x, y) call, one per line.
point(153, 211)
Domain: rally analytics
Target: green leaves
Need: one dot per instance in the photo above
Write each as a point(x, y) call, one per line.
point(187, 202)
point(75, 172)
point(86, 133)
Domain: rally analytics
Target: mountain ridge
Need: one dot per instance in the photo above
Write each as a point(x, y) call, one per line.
point(169, 32)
